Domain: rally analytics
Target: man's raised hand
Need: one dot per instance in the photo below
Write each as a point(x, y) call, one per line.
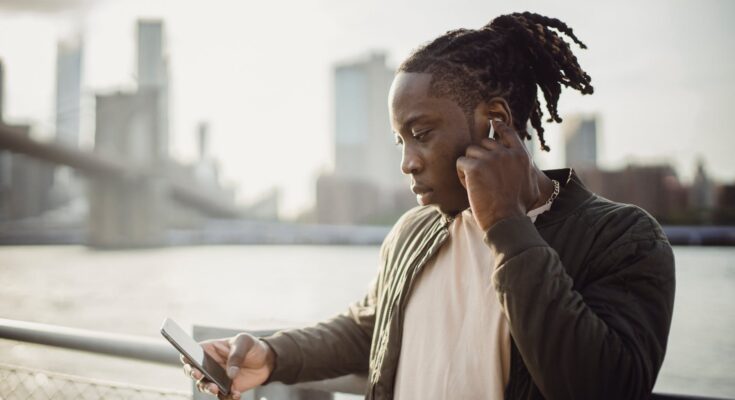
point(247, 360)
point(499, 177)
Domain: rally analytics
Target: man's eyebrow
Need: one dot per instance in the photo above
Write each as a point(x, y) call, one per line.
point(412, 119)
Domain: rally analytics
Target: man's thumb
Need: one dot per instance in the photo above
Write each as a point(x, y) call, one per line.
point(239, 348)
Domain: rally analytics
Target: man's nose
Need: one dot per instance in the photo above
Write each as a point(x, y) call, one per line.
point(411, 163)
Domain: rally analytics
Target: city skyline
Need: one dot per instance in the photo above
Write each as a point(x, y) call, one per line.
point(650, 76)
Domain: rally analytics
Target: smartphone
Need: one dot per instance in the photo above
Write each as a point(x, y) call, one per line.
point(199, 358)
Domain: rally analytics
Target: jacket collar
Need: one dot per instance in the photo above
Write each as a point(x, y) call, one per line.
point(572, 194)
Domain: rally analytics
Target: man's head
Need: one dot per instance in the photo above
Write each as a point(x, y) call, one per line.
point(445, 93)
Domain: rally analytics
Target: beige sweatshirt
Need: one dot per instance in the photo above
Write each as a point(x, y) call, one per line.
point(456, 342)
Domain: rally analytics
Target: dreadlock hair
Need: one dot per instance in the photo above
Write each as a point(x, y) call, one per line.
point(507, 58)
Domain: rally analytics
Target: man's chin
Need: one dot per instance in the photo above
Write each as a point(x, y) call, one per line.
point(435, 199)
point(448, 210)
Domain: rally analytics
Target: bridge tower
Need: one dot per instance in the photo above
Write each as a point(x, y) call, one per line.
point(128, 212)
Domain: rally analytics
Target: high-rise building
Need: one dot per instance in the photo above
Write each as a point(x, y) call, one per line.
point(655, 188)
point(24, 182)
point(725, 212)
point(67, 186)
point(580, 141)
point(5, 166)
point(2, 90)
point(702, 193)
point(364, 145)
point(367, 185)
point(151, 64)
point(153, 73)
point(68, 92)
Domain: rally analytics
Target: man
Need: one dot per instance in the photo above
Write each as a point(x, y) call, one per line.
point(508, 282)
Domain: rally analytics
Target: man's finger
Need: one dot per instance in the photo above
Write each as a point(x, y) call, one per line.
point(476, 152)
point(203, 385)
point(461, 165)
point(211, 388)
point(192, 372)
point(490, 144)
point(506, 135)
point(218, 350)
point(231, 396)
point(222, 346)
point(464, 163)
point(465, 166)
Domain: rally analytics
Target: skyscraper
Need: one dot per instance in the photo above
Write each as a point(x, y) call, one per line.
point(702, 193)
point(2, 90)
point(68, 92)
point(367, 185)
point(364, 146)
point(5, 167)
point(580, 141)
point(151, 65)
point(24, 182)
point(153, 74)
point(68, 106)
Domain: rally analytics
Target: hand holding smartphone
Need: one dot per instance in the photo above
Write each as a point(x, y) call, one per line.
point(196, 355)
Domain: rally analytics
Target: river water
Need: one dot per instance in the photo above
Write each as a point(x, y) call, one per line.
point(264, 287)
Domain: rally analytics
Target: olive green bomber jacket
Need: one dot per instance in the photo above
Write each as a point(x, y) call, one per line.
point(588, 291)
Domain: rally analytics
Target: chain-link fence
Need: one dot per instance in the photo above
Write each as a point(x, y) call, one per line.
point(20, 383)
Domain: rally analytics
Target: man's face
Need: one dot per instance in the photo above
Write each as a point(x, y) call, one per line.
point(434, 132)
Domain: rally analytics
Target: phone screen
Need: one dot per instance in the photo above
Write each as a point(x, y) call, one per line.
point(186, 345)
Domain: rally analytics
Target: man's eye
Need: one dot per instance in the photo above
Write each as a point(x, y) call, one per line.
point(398, 141)
point(421, 136)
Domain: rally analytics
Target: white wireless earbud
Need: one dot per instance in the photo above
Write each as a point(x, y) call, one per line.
point(491, 131)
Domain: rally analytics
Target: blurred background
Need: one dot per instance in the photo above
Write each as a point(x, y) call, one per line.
point(231, 164)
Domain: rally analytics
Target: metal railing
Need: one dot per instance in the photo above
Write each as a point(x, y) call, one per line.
point(22, 383)
point(126, 346)
point(135, 348)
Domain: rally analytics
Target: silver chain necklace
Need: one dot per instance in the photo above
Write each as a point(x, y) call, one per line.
point(556, 192)
point(450, 219)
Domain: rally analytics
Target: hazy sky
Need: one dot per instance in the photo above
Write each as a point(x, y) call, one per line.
point(260, 73)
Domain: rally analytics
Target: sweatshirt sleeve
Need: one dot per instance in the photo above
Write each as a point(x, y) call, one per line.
point(341, 345)
point(604, 341)
point(336, 347)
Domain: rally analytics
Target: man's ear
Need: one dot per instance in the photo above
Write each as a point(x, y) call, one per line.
point(495, 108)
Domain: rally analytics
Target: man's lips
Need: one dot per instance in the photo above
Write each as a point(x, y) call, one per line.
point(424, 194)
point(420, 189)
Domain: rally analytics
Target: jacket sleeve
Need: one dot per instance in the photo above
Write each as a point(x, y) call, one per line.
point(336, 347)
point(605, 341)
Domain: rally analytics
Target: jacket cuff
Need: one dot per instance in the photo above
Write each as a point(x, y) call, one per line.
point(510, 236)
point(287, 364)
